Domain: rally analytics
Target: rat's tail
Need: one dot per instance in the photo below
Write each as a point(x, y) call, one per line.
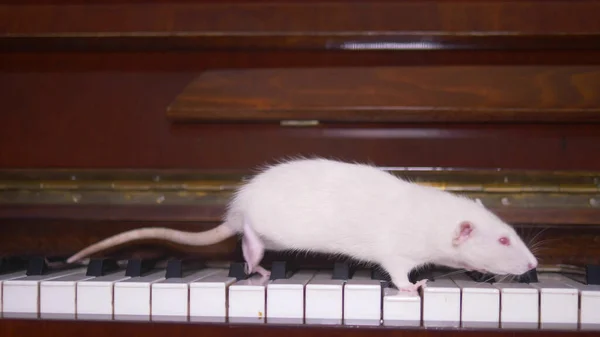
point(205, 238)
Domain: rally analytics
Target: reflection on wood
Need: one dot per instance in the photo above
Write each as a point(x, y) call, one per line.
point(394, 94)
point(411, 25)
point(86, 85)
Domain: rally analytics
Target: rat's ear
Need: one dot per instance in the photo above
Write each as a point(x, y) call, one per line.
point(478, 201)
point(463, 232)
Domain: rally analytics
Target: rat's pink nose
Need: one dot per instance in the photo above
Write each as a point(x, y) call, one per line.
point(531, 265)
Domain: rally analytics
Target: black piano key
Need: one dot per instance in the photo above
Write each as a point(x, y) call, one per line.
point(528, 277)
point(139, 267)
point(281, 270)
point(421, 273)
point(177, 268)
point(380, 274)
point(341, 271)
point(592, 274)
point(481, 277)
point(237, 270)
point(414, 275)
point(174, 269)
point(101, 267)
point(37, 265)
point(12, 264)
point(238, 253)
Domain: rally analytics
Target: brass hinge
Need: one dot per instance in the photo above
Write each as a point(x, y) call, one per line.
point(494, 188)
point(299, 123)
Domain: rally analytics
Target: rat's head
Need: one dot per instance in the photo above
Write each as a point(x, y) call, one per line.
point(483, 242)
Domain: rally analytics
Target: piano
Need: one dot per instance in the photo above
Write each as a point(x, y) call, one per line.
point(121, 115)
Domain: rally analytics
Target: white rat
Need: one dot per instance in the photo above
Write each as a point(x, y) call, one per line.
point(360, 211)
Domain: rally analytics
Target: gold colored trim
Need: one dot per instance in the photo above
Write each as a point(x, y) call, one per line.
point(495, 188)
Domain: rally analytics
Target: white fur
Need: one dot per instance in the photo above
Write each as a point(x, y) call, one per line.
point(327, 206)
point(366, 213)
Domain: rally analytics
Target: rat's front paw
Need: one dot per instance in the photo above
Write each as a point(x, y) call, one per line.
point(413, 288)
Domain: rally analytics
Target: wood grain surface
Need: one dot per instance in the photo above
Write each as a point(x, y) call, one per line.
point(86, 84)
point(24, 328)
point(118, 120)
point(213, 213)
point(555, 244)
point(407, 25)
point(394, 94)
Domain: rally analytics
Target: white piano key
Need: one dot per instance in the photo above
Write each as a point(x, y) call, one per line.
point(324, 299)
point(519, 305)
point(21, 296)
point(559, 304)
point(170, 297)
point(441, 304)
point(209, 297)
point(589, 303)
point(401, 308)
point(95, 297)
point(480, 303)
point(58, 297)
point(589, 306)
point(247, 300)
point(362, 300)
point(133, 296)
point(285, 298)
point(9, 276)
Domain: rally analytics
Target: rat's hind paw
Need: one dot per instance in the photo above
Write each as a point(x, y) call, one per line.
point(422, 283)
point(262, 271)
point(413, 288)
point(257, 269)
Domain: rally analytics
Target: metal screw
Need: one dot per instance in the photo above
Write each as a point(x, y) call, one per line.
point(76, 198)
point(594, 202)
point(156, 178)
point(505, 180)
point(160, 199)
point(505, 201)
point(73, 178)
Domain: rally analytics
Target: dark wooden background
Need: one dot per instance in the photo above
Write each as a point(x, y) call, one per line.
point(82, 103)
point(84, 109)
point(72, 106)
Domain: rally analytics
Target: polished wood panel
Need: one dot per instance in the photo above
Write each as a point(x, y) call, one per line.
point(205, 213)
point(65, 237)
point(531, 24)
point(118, 120)
point(23, 328)
point(89, 2)
point(554, 244)
point(186, 213)
point(196, 62)
point(517, 196)
point(62, 211)
point(97, 100)
point(394, 94)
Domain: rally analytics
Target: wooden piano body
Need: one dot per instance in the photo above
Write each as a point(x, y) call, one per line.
point(124, 115)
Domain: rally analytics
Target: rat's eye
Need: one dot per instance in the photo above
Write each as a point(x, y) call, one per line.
point(504, 241)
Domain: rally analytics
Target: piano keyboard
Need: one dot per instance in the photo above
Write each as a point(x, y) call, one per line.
point(321, 297)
